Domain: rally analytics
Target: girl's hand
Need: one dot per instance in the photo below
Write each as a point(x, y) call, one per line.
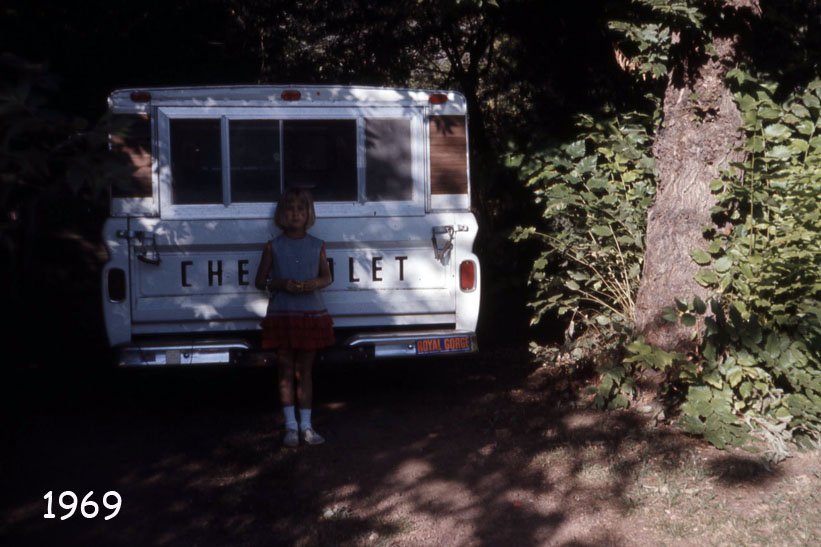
point(294, 286)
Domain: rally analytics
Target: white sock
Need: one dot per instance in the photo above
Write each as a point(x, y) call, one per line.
point(290, 417)
point(304, 419)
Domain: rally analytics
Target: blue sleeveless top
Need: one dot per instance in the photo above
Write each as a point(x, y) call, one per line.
point(295, 259)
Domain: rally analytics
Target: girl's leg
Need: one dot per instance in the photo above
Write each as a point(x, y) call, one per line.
point(286, 370)
point(286, 367)
point(303, 365)
point(304, 391)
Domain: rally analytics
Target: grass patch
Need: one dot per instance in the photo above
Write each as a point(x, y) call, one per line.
point(691, 493)
point(727, 501)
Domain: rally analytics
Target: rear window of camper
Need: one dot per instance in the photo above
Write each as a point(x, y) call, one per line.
point(225, 161)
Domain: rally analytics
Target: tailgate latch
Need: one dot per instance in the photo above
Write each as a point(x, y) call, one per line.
point(445, 234)
point(145, 245)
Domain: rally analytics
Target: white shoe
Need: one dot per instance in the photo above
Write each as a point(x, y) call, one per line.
point(312, 437)
point(291, 439)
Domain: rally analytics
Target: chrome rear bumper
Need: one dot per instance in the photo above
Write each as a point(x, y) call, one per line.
point(203, 352)
point(359, 347)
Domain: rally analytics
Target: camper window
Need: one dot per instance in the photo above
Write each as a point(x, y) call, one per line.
point(321, 155)
point(255, 160)
point(242, 160)
point(196, 161)
point(388, 160)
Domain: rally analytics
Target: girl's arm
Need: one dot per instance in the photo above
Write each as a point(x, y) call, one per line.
point(264, 267)
point(324, 278)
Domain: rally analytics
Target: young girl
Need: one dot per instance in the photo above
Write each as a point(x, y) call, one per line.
point(293, 268)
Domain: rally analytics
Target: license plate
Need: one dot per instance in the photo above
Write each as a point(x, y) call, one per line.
point(445, 344)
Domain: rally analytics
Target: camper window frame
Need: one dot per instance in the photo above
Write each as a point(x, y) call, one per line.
point(362, 207)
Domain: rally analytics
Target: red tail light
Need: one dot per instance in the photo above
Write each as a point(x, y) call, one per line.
point(467, 275)
point(291, 95)
point(437, 98)
point(141, 96)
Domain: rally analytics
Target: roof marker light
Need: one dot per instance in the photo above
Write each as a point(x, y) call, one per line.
point(437, 98)
point(291, 95)
point(140, 96)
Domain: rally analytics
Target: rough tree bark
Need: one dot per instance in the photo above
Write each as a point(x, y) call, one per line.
point(702, 130)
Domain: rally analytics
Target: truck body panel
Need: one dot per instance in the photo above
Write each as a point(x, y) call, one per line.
point(388, 169)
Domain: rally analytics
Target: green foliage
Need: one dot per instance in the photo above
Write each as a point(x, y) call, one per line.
point(769, 265)
point(759, 364)
point(46, 156)
point(748, 376)
point(771, 259)
point(646, 39)
point(594, 191)
point(758, 368)
point(44, 150)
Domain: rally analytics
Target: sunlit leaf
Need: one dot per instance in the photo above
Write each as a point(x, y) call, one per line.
point(603, 231)
point(576, 149)
point(701, 256)
point(777, 130)
point(723, 264)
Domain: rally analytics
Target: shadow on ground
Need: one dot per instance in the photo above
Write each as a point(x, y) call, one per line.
point(483, 450)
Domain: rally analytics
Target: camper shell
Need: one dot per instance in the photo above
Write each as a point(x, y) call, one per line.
point(389, 172)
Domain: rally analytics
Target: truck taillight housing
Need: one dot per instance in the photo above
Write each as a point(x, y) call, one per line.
point(141, 96)
point(116, 285)
point(467, 275)
point(290, 95)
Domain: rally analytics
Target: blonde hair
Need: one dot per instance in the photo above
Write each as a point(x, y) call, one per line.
point(301, 196)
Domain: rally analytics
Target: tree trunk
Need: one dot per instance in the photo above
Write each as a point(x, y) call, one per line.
point(700, 137)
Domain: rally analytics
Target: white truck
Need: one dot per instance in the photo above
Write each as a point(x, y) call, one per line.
point(388, 169)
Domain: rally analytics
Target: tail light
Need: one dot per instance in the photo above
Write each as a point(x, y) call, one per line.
point(291, 95)
point(141, 96)
point(467, 275)
point(116, 285)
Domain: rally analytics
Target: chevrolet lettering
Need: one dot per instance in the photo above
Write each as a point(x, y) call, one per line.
point(388, 169)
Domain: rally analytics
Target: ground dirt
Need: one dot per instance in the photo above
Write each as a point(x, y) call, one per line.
point(491, 449)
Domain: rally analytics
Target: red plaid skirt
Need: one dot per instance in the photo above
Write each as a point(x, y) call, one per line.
point(310, 330)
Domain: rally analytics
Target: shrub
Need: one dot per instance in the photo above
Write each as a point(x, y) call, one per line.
point(595, 191)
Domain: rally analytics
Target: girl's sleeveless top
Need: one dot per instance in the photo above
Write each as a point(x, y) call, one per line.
point(296, 259)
